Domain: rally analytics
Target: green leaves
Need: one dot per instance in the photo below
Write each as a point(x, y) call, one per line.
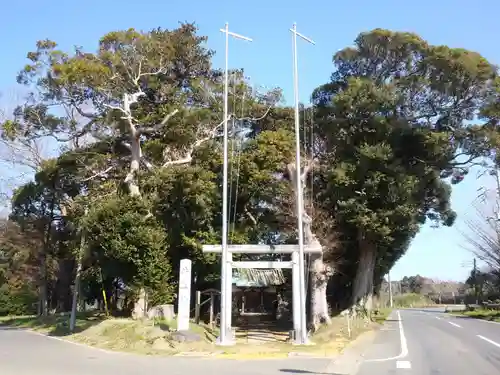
point(395, 113)
point(387, 132)
point(126, 245)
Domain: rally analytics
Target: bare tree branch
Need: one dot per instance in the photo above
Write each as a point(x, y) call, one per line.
point(99, 174)
point(484, 238)
point(187, 156)
point(250, 216)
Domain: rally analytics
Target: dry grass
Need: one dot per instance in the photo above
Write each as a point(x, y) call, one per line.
point(381, 315)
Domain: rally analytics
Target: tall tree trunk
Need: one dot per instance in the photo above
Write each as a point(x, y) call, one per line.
point(319, 273)
point(43, 289)
point(43, 281)
point(139, 309)
point(140, 305)
point(136, 154)
point(362, 291)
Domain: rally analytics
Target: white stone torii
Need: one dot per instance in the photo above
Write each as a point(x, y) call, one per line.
point(227, 289)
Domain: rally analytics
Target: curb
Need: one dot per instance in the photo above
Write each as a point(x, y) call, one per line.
point(349, 360)
point(352, 356)
point(75, 342)
point(194, 354)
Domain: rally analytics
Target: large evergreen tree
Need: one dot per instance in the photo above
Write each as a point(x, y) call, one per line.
point(140, 169)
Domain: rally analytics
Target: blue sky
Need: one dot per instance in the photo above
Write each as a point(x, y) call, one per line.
point(435, 252)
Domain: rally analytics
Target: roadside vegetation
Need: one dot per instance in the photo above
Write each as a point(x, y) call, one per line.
point(159, 337)
point(485, 314)
point(412, 300)
point(478, 312)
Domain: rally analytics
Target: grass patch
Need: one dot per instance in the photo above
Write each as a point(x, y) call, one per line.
point(328, 341)
point(491, 315)
point(159, 337)
point(380, 315)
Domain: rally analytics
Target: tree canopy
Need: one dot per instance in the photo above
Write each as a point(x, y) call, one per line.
point(139, 176)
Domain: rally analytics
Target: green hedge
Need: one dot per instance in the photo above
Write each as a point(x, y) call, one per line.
point(17, 301)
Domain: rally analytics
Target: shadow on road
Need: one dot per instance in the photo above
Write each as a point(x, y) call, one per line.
point(296, 371)
point(428, 310)
point(54, 325)
point(7, 328)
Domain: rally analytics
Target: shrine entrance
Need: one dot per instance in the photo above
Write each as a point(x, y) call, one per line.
point(227, 290)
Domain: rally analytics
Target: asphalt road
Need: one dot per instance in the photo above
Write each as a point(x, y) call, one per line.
point(431, 342)
point(27, 353)
point(413, 341)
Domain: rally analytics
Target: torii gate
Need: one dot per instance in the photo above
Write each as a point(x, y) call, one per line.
point(227, 290)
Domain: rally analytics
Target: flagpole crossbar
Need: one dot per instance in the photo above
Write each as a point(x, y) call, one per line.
point(309, 40)
point(237, 36)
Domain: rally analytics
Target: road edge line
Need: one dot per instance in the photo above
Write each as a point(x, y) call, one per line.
point(488, 340)
point(403, 343)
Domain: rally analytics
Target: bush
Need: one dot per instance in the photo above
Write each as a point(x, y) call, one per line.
point(17, 301)
point(412, 300)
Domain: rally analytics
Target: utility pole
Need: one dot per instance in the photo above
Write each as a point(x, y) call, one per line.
point(79, 265)
point(302, 339)
point(474, 273)
point(497, 204)
point(225, 337)
point(390, 288)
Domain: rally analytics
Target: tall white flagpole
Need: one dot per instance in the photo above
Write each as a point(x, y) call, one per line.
point(225, 337)
point(302, 339)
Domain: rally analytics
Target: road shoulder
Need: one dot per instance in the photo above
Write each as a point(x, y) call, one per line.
point(384, 341)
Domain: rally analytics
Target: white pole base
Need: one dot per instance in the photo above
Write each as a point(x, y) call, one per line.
point(297, 340)
point(229, 339)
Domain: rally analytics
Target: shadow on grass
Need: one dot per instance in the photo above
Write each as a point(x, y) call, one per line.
point(55, 325)
point(210, 334)
point(167, 327)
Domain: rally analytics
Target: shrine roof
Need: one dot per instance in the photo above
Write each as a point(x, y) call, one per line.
point(258, 277)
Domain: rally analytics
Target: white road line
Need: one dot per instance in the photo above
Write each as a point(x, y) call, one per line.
point(437, 317)
point(454, 324)
point(404, 345)
point(488, 340)
point(403, 364)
